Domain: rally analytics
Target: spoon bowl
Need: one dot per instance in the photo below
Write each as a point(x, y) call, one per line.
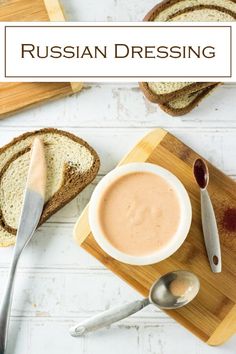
point(174, 290)
point(201, 173)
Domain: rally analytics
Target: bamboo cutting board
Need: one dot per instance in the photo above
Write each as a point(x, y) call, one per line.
point(212, 315)
point(17, 96)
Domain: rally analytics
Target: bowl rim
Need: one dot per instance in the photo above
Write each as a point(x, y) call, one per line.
point(183, 228)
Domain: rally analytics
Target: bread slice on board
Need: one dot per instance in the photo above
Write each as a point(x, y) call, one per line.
point(71, 165)
point(187, 102)
point(192, 11)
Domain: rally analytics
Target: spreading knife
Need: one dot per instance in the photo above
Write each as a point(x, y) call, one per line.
point(33, 202)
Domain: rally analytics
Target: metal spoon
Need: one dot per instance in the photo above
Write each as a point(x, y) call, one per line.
point(209, 225)
point(172, 291)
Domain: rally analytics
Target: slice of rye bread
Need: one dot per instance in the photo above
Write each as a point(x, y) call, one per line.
point(71, 165)
point(185, 10)
point(187, 102)
point(173, 90)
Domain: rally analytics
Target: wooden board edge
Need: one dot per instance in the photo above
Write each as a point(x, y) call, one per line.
point(76, 86)
point(225, 330)
point(54, 10)
point(37, 103)
point(154, 138)
point(82, 229)
point(56, 14)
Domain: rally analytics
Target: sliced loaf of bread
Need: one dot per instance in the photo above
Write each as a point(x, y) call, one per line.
point(187, 102)
point(71, 165)
point(192, 11)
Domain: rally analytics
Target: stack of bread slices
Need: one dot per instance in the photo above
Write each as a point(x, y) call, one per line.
point(179, 98)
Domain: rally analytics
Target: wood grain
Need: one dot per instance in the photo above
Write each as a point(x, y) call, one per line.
point(15, 97)
point(216, 301)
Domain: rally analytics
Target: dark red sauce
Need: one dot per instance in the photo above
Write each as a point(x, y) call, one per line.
point(229, 219)
point(200, 173)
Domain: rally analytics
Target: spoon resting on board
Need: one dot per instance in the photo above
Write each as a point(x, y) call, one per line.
point(32, 208)
point(209, 225)
point(172, 291)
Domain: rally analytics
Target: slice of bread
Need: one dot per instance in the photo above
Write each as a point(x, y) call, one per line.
point(192, 11)
point(187, 102)
point(71, 165)
point(211, 10)
point(163, 92)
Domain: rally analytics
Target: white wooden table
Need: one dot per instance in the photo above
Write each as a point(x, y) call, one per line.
point(58, 284)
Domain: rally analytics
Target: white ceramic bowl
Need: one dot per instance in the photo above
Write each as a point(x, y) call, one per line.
point(180, 235)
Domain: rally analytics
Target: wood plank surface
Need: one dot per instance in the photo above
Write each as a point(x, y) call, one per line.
point(15, 97)
point(23, 10)
point(217, 297)
point(60, 284)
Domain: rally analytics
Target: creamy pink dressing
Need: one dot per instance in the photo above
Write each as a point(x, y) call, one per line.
point(180, 287)
point(37, 169)
point(139, 213)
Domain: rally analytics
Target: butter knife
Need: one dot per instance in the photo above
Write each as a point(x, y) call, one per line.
point(33, 203)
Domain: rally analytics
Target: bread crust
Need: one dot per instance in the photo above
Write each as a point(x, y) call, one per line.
point(165, 98)
point(151, 15)
point(73, 182)
point(174, 112)
point(201, 7)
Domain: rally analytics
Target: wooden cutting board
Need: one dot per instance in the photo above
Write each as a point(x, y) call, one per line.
point(212, 315)
point(17, 96)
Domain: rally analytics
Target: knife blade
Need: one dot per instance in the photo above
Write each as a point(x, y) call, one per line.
point(33, 202)
point(34, 195)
